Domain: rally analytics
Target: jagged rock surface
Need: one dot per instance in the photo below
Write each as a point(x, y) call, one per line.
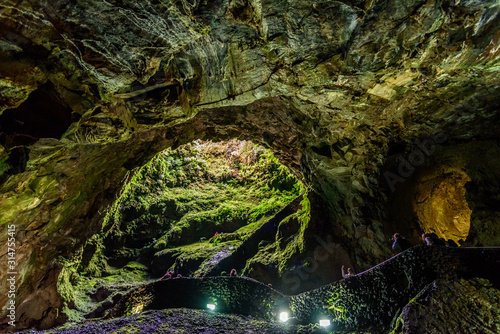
point(462, 306)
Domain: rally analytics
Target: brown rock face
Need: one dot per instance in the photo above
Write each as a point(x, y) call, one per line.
point(343, 92)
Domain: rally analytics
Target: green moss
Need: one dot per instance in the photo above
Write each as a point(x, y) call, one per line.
point(205, 252)
point(75, 290)
point(174, 205)
point(284, 249)
point(97, 263)
point(202, 188)
point(205, 30)
point(131, 273)
point(4, 165)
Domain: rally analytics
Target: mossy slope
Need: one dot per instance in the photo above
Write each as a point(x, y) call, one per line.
point(185, 210)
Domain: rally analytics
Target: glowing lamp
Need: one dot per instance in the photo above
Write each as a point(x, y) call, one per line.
point(324, 323)
point(211, 306)
point(283, 316)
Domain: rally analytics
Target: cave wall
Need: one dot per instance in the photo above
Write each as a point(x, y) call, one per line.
point(239, 295)
point(452, 193)
point(330, 87)
point(458, 299)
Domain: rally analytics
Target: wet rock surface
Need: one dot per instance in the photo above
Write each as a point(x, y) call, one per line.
point(185, 320)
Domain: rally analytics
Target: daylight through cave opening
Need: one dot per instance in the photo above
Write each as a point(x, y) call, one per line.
point(199, 210)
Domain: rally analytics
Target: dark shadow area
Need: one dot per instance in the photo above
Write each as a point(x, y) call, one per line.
point(42, 115)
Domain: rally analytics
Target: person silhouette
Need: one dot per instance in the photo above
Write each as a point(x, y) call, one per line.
point(168, 275)
point(400, 243)
point(349, 272)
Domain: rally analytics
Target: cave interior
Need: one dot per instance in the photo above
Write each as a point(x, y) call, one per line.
point(282, 139)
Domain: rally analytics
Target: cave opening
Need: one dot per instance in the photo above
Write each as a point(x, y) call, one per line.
point(201, 209)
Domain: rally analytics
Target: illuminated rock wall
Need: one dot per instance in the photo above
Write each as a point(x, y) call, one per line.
point(229, 294)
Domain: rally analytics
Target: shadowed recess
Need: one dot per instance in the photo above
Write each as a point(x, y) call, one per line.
point(42, 115)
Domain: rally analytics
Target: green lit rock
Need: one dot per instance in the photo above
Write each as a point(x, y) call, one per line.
point(198, 210)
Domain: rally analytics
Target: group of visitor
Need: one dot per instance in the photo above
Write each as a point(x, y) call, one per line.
point(400, 244)
point(170, 274)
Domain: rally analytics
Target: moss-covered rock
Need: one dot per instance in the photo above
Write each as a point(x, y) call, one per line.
point(186, 210)
point(198, 190)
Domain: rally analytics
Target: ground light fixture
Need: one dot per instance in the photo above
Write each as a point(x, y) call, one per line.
point(324, 323)
point(283, 316)
point(211, 306)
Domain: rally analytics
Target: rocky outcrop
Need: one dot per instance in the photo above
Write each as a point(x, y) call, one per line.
point(91, 90)
point(459, 306)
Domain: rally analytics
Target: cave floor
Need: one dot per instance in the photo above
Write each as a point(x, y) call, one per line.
point(182, 320)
